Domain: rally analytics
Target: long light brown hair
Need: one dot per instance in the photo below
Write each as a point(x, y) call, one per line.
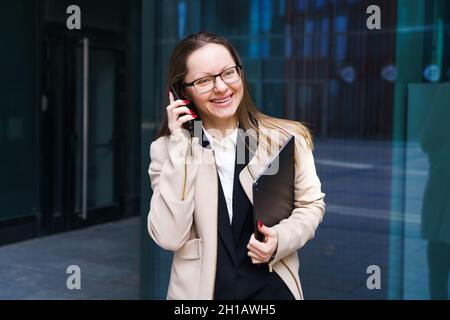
point(247, 112)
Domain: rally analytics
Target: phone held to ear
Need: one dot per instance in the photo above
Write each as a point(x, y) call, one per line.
point(188, 125)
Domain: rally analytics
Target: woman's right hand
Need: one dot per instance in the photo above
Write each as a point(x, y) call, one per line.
point(174, 110)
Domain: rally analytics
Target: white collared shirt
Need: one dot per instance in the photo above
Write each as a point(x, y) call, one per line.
point(225, 155)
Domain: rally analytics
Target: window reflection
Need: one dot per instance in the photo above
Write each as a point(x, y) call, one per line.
point(316, 62)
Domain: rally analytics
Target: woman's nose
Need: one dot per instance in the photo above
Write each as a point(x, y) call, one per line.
point(220, 85)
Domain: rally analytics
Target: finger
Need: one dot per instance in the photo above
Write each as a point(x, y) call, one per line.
point(173, 113)
point(257, 245)
point(181, 110)
point(266, 230)
point(186, 118)
point(254, 261)
point(257, 251)
point(255, 258)
point(171, 99)
point(177, 103)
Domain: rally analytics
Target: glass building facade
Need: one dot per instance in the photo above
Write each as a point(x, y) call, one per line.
point(376, 100)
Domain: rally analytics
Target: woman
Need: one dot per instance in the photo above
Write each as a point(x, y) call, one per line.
point(201, 208)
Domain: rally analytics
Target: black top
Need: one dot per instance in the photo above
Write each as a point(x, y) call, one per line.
point(236, 276)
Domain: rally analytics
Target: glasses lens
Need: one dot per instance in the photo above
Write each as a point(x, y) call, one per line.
point(230, 75)
point(204, 84)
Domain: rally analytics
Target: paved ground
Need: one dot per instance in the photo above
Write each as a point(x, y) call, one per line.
point(360, 228)
point(107, 254)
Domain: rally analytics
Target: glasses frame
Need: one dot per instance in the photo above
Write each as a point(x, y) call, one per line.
point(191, 84)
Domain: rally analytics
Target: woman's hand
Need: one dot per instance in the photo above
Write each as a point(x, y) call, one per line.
point(174, 110)
point(262, 252)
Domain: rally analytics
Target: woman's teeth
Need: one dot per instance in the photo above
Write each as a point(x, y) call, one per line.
point(223, 100)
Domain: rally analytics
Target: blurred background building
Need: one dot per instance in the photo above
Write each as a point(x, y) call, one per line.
point(79, 109)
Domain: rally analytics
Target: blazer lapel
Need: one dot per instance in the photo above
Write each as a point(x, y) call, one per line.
point(241, 203)
point(246, 181)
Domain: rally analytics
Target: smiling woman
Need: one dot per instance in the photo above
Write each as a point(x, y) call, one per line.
point(217, 107)
point(203, 212)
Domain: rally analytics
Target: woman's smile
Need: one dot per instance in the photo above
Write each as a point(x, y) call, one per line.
point(223, 102)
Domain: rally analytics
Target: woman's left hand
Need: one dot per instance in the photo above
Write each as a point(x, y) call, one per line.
point(262, 252)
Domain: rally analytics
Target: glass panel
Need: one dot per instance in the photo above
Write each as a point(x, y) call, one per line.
point(54, 129)
point(366, 95)
point(422, 100)
point(427, 213)
point(102, 77)
point(18, 110)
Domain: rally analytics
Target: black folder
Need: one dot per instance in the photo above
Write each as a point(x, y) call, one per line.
point(273, 189)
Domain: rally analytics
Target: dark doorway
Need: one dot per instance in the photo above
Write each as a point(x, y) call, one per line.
point(83, 95)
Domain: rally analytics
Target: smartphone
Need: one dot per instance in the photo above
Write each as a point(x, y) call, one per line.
point(188, 125)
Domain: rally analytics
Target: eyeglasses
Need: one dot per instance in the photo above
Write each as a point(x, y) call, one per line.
point(205, 84)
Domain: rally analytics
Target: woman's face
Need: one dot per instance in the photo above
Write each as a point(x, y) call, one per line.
point(212, 59)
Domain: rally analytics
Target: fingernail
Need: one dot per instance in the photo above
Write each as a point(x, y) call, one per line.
point(186, 101)
point(260, 224)
point(192, 113)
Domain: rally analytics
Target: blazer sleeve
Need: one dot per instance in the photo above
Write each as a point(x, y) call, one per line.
point(172, 178)
point(294, 232)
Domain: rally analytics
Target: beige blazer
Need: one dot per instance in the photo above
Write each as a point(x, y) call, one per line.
point(183, 213)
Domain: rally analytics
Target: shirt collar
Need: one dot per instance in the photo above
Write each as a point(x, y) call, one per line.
point(226, 142)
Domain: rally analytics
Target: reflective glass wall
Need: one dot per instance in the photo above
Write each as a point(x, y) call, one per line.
point(377, 102)
point(421, 173)
point(18, 112)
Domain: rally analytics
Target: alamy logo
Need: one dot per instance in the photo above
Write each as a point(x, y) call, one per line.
point(374, 20)
point(74, 280)
point(74, 20)
point(374, 280)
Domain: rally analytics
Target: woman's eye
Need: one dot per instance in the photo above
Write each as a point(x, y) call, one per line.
point(202, 82)
point(228, 73)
